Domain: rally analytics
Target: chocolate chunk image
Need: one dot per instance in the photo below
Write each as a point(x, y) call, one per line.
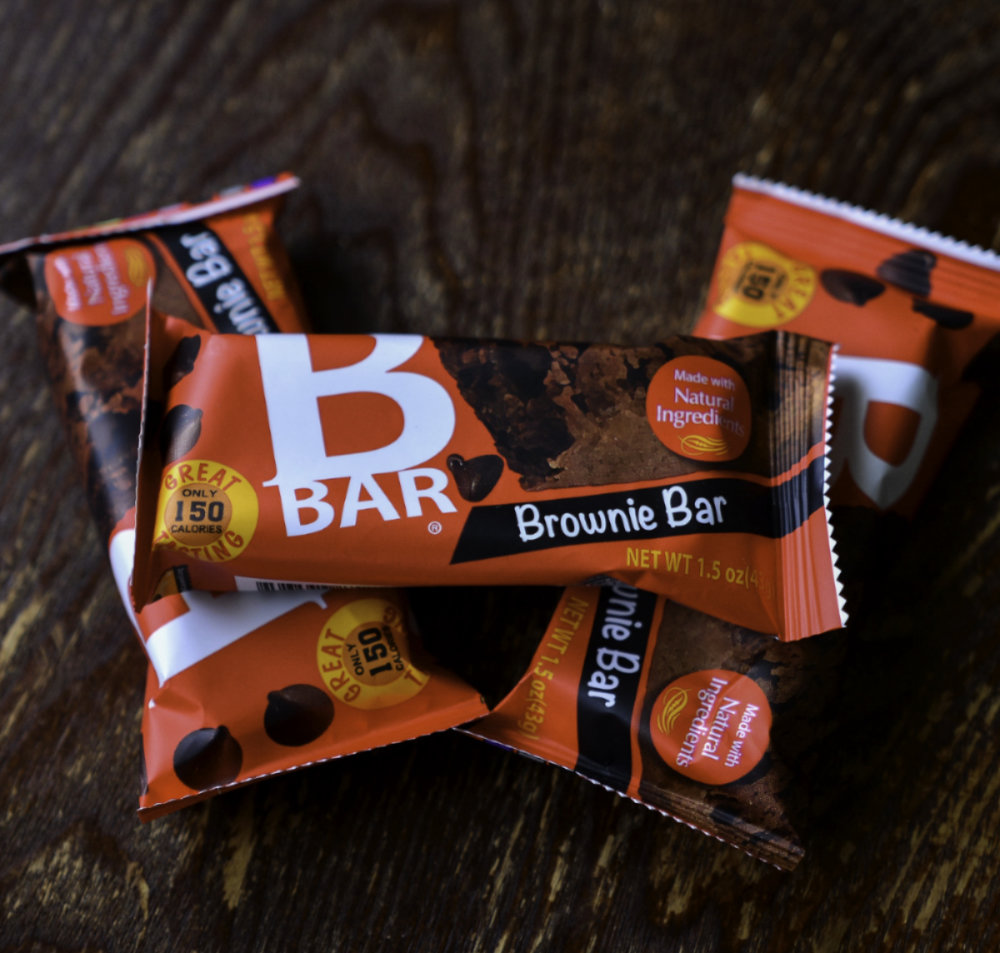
point(297, 714)
point(207, 758)
point(909, 270)
point(508, 387)
point(475, 478)
point(851, 287)
point(179, 432)
point(548, 407)
point(951, 318)
point(181, 362)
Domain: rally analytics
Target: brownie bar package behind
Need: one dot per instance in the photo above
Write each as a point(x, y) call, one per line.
point(704, 721)
point(916, 317)
point(219, 264)
point(691, 467)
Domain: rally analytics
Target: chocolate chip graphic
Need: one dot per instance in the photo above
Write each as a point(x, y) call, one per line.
point(909, 270)
point(297, 714)
point(181, 362)
point(476, 477)
point(207, 758)
point(851, 287)
point(179, 432)
point(950, 318)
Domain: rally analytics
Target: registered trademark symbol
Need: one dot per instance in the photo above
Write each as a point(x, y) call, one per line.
point(434, 527)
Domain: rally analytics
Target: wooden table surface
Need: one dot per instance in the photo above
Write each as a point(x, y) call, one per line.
point(522, 169)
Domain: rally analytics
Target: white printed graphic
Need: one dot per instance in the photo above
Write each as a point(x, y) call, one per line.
point(292, 391)
point(211, 622)
point(860, 381)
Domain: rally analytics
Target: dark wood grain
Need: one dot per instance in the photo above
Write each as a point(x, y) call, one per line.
point(524, 169)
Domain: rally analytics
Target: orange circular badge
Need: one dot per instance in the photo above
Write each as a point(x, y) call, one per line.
point(712, 726)
point(364, 656)
point(99, 284)
point(699, 408)
point(761, 288)
point(206, 509)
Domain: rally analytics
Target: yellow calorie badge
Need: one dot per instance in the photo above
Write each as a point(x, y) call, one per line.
point(363, 655)
point(761, 288)
point(206, 509)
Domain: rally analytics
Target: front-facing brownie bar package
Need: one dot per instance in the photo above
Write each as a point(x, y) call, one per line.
point(694, 468)
point(712, 723)
point(245, 685)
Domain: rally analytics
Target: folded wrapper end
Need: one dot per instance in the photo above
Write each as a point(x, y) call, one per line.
point(148, 466)
point(827, 480)
point(16, 280)
point(813, 596)
point(178, 213)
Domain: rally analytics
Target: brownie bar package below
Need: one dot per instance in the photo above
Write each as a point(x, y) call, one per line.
point(690, 467)
point(704, 721)
point(258, 684)
point(333, 674)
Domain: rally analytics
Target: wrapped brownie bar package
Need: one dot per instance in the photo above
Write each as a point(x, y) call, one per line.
point(218, 264)
point(253, 684)
point(352, 674)
point(693, 468)
point(916, 316)
point(694, 717)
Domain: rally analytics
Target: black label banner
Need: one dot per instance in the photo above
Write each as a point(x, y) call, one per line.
point(233, 306)
point(713, 505)
point(609, 683)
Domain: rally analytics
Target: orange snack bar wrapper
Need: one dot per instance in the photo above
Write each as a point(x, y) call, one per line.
point(699, 719)
point(915, 315)
point(218, 264)
point(335, 673)
point(692, 468)
point(248, 685)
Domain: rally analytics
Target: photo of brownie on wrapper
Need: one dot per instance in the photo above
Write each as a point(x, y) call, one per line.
point(353, 674)
point(575, 415)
